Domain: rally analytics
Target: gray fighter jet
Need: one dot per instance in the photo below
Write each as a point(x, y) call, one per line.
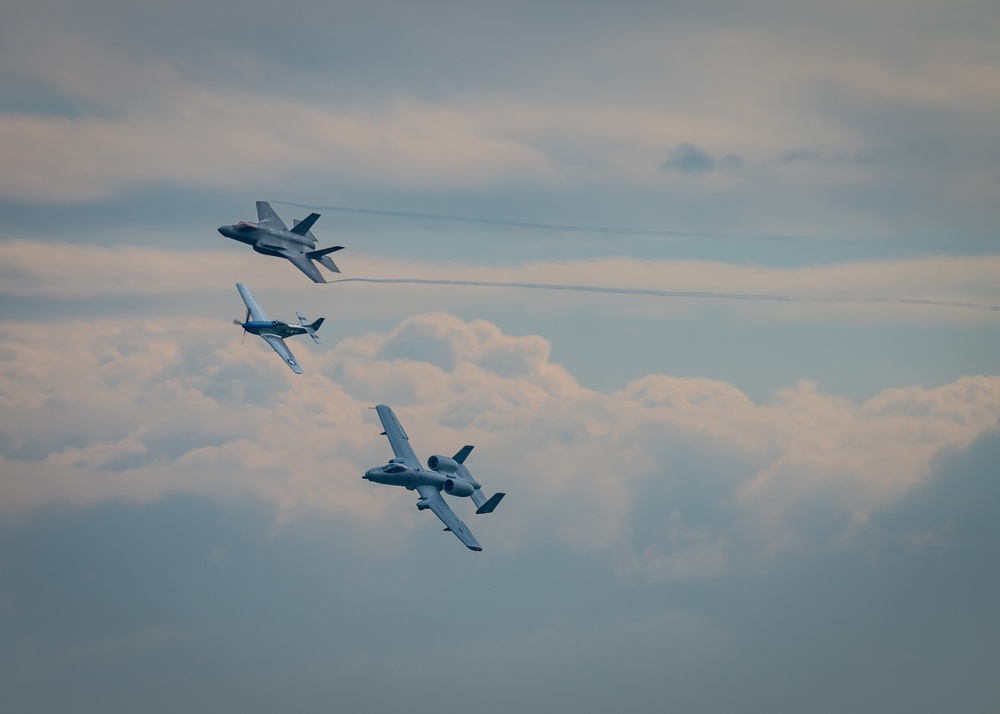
point(442, 474)
point(274, 332)
point(270, 236)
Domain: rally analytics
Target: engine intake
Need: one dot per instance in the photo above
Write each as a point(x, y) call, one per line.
point(442, 463)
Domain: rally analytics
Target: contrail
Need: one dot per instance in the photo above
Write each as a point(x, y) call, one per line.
point(562, 227)
point(756, 297)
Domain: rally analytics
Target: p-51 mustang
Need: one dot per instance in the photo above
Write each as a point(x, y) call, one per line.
point(270, 236)
point(441, 474)
point(274, 331)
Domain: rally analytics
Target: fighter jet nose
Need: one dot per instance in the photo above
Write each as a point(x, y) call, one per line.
point(223, 229)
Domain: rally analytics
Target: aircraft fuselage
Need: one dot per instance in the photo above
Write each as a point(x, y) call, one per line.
point(272, 327)
point(267, 240)
point(395, 474)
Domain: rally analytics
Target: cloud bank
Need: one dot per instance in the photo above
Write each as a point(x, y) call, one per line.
point(669, 478)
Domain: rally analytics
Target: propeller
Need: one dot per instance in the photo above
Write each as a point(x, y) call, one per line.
point(237, 322)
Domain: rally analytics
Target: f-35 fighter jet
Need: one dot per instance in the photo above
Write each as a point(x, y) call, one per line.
point(274, 332)
point(270, 236)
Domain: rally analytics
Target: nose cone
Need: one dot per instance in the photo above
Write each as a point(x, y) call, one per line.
point(225, 230)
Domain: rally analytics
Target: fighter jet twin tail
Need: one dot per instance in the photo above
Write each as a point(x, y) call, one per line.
point(270, 236)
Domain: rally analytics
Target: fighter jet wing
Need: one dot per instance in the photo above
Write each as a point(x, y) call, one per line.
point(282, 349)
point(398, 439)
point(305, 264)
point(267, 217)
point(431, 498)
point(255, 312)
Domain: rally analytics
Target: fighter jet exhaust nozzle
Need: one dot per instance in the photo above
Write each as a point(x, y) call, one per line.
point(457, 488)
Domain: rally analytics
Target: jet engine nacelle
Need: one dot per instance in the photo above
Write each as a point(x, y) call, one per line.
point(457, 487)
point(442, 463)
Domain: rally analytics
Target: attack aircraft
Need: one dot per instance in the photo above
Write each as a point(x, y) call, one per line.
point(442, 474)
point(270, 236)
point(274, 331)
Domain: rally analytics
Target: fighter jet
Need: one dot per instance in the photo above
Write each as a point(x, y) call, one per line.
point(270, 236)
point(442, 474)
point(274, 331)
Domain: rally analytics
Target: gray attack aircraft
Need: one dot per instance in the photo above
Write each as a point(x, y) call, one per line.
point(270, 236)
point(274, 332)
point(442, 474)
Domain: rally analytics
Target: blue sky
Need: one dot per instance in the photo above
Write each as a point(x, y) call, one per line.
point(714, 503)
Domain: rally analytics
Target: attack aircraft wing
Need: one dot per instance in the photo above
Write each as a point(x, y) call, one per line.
point(431, 498)
point(398, 439)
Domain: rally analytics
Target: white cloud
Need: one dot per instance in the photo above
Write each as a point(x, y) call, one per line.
point(672, 478)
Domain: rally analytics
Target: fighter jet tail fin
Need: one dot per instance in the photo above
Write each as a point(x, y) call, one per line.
point(463, 454)
point(302, 227)
point(491, 505)
point(321, 257)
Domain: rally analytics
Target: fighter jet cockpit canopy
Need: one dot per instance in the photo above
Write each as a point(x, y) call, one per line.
point(245, 226)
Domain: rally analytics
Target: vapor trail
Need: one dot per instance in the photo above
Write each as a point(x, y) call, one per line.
point(557, 226)
point(756, 297)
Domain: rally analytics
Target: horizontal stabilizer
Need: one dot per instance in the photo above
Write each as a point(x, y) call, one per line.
point(317, 254)
point(323, 259)
point(492, 504)
point(310, 328)
point(302, 227)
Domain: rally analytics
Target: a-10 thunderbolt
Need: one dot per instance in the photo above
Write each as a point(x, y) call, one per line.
point(270, 236)
point(442, 474)
point(274, 332)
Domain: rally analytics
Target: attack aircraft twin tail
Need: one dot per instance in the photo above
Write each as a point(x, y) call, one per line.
point(442, 474)
point(270, 236)
point(274, 332)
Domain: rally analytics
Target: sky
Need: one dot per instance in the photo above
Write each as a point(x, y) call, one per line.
point(711, 287)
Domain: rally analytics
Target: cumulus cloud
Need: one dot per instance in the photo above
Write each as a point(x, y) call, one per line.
point(670, 478)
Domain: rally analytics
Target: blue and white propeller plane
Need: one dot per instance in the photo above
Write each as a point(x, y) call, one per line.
point(270, 236)
point(442, 474)
point(274, 332)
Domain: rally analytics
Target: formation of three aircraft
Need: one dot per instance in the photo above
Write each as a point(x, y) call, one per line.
point(270, 236)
